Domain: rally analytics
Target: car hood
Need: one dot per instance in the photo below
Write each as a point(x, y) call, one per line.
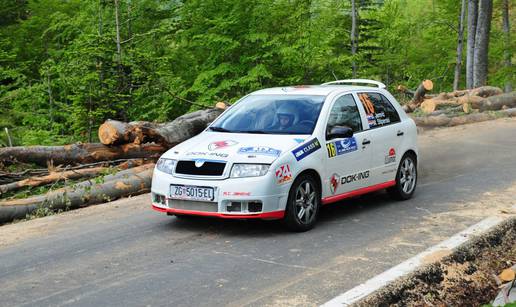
point(235, 147)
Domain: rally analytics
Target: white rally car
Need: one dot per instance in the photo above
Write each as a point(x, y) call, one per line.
point(281, 153)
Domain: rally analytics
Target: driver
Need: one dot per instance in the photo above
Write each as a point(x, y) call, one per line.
point(286, 117)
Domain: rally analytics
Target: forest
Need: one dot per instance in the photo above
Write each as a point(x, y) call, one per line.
point(67, 66)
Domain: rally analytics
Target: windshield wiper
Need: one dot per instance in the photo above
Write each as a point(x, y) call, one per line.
point(219, 129)
point(253, 131)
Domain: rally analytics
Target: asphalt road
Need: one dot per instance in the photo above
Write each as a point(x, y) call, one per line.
point(125, 254)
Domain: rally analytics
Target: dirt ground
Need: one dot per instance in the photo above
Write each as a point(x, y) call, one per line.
point(463, 278)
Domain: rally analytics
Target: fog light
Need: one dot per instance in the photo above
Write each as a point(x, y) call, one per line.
point(234, 206)
point(159, 199)
point(254, 206)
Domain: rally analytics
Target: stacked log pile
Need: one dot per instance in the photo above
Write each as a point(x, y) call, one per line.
point(127, 151)
point(458, 107)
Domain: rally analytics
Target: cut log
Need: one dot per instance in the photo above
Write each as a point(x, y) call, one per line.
point(497, 102)
point(52, 177)
point(113, 132)
point(471, 118)
point(66, 175)
point(169, 134)
point(486, 91)
point(78, 153)
point(432, 121)
point(430, 105)
point(419, 95)
point(474, 101)
point(404, 90)
point(123, 184)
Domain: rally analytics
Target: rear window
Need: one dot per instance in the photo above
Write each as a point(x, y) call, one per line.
point(379, 110)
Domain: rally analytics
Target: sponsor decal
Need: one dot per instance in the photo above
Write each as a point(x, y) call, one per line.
point(260, 150)
point(354, 177)
point(283, 174)
point(206, 153)
point(306, 149)
point(334, 183)
point(237, 193)
point(391, 157)
point(383, 121)
point(371, 120)
point(221, 144)
point(341, 147)
point(299, 141)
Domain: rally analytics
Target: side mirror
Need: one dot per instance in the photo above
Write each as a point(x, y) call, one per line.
point(339, 132)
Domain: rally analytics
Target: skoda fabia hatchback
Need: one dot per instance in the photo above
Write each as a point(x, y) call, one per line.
point(282, 153)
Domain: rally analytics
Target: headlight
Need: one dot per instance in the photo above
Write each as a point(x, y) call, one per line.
point(249, 170)
point(166, 165)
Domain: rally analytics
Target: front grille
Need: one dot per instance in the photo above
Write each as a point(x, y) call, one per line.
point(203, 206)
point(207, 169)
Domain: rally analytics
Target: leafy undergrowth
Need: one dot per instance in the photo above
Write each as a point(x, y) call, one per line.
point(465, 278)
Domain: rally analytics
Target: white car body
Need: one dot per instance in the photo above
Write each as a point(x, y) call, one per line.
point(366, 162)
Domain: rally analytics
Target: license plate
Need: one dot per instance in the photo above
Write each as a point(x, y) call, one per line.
point(189, 192)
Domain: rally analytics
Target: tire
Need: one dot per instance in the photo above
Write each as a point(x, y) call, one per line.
point(303, 204)
point(406, 178)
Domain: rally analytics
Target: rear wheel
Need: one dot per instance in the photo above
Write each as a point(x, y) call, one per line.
point(303, 204)
point(406, 178)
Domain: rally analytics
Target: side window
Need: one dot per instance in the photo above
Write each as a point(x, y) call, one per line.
point(379, 110)
point(345, 113)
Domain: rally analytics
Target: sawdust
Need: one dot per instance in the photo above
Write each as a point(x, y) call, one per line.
point(463, 278)
point(436, 256)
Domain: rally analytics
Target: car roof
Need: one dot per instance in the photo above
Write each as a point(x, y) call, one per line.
point(321, 90)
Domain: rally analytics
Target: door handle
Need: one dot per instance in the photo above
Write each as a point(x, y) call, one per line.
point(400, 133)
point(366, 141)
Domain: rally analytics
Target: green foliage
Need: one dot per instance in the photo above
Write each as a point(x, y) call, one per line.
point(61, 73)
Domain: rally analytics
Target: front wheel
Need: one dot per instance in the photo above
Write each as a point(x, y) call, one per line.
point(303, 204)
point(406, 178)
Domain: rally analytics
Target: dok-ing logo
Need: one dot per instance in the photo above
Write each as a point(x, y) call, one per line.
point(221, 144)
point(283, 174)
point(334, 183)
point(354, 177)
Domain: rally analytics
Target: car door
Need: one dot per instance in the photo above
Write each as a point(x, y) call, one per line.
point(386, 135)
point(348, 159)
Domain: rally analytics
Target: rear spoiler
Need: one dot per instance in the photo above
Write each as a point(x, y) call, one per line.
point(356, 81)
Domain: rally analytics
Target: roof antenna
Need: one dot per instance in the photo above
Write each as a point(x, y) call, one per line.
point(334, 76)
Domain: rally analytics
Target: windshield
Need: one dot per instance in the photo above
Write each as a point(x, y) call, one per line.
point(272, 114)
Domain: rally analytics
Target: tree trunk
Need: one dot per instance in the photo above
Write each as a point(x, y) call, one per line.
point(65, 199)
point(460, 43)
point(486, 91)
point(498, 102)
point(472, 30)
point(78, 153)
point(485, 12)
point(353, 37)
point(507, 46)
point(166, 134)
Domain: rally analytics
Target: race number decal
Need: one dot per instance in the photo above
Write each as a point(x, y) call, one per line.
point(283, 174)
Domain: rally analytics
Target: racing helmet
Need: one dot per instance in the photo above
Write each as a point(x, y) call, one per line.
point(287, 109)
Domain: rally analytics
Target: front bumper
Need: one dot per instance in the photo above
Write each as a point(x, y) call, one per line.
point(256, 197)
